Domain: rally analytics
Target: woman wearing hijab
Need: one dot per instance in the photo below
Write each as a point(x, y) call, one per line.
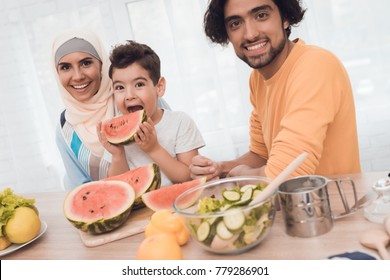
point(81, 67)
point(81, 64)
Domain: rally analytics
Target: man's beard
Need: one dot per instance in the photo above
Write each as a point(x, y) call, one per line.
point(265, 59)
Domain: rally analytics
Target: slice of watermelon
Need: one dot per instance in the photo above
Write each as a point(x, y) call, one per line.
point(99, 206)
point(121, 130)
point(163, 198)
point(143, 179)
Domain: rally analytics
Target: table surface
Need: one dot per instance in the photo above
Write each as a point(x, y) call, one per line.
point(62, 241)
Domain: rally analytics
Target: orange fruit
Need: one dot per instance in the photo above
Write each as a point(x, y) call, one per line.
point(160, 246)
point(169, 222)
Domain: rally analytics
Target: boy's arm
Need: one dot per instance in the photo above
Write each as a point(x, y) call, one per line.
point(177, 170)
point(119, 163)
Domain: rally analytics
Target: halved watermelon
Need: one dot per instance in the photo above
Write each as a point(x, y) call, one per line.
point(143, 179)
point(163, 198)
point(121, 130)
point(99, 206)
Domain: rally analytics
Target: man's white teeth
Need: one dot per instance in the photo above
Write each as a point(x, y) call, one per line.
point(80, 86)
point(259, 46)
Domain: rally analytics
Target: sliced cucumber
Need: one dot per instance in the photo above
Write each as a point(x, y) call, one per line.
point(226, 207)
point(234, 221)
point(244, 188)
point(211, 220)
point(231, 195)
point(203, 231)
point(223, 232)
point(246, 197)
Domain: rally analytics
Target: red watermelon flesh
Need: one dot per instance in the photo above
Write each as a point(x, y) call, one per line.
point(121, 129)
point(97, 207)
point(164, 197)
point(90, 202)
point(143, 179)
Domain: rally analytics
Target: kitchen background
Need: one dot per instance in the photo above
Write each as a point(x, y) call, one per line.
point(204, 80)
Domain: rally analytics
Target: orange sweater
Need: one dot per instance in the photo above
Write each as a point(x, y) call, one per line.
point(306, 106)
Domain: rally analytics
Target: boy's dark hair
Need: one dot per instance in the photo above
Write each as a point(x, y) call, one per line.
point(214, 19)
point(126, 54)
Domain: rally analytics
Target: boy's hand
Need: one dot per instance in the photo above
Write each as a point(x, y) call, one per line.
point(146, 136)
point(114, 150)
point(202, 166)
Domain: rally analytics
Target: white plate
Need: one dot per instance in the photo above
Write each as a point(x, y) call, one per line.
point(14, 247)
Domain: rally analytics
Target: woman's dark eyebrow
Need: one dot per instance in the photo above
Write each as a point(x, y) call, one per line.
point(62, 63)
point(81, 61)
point(253, 11)
point(86, 59)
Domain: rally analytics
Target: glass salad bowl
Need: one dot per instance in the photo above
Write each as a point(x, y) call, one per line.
point(221, 218)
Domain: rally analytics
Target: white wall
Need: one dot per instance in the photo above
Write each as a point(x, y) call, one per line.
point(29, 107)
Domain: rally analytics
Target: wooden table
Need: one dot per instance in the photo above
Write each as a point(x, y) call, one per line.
point(62, 241)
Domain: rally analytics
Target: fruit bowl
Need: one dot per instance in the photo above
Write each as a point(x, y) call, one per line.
point(221, 218)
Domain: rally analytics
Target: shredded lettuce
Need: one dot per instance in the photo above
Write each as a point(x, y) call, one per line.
point(209, 204)
point(8, 203)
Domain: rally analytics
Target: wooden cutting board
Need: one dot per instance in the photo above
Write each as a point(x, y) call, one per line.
point(135, 224)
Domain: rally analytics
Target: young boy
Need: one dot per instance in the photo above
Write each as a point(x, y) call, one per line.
point(170, 139)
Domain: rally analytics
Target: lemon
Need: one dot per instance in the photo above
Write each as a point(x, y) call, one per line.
point(23, 226)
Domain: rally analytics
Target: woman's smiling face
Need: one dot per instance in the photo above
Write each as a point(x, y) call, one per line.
point(80, 74)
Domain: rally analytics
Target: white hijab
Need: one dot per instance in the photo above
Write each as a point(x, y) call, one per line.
point(84, 116)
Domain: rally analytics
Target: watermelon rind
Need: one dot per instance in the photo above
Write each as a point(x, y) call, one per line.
point(153, 182)
point(115, 127)
point(98, 225)
point(163, 198)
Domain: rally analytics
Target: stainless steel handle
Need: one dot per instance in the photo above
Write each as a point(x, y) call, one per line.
point(347, 210)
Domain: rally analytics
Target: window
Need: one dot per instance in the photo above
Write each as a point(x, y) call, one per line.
point(205, 80)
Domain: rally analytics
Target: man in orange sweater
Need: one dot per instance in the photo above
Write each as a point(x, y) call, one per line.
point(301, 95)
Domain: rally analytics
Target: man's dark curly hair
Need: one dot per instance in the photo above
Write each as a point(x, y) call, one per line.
point(126, 54)
point(214, 24)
